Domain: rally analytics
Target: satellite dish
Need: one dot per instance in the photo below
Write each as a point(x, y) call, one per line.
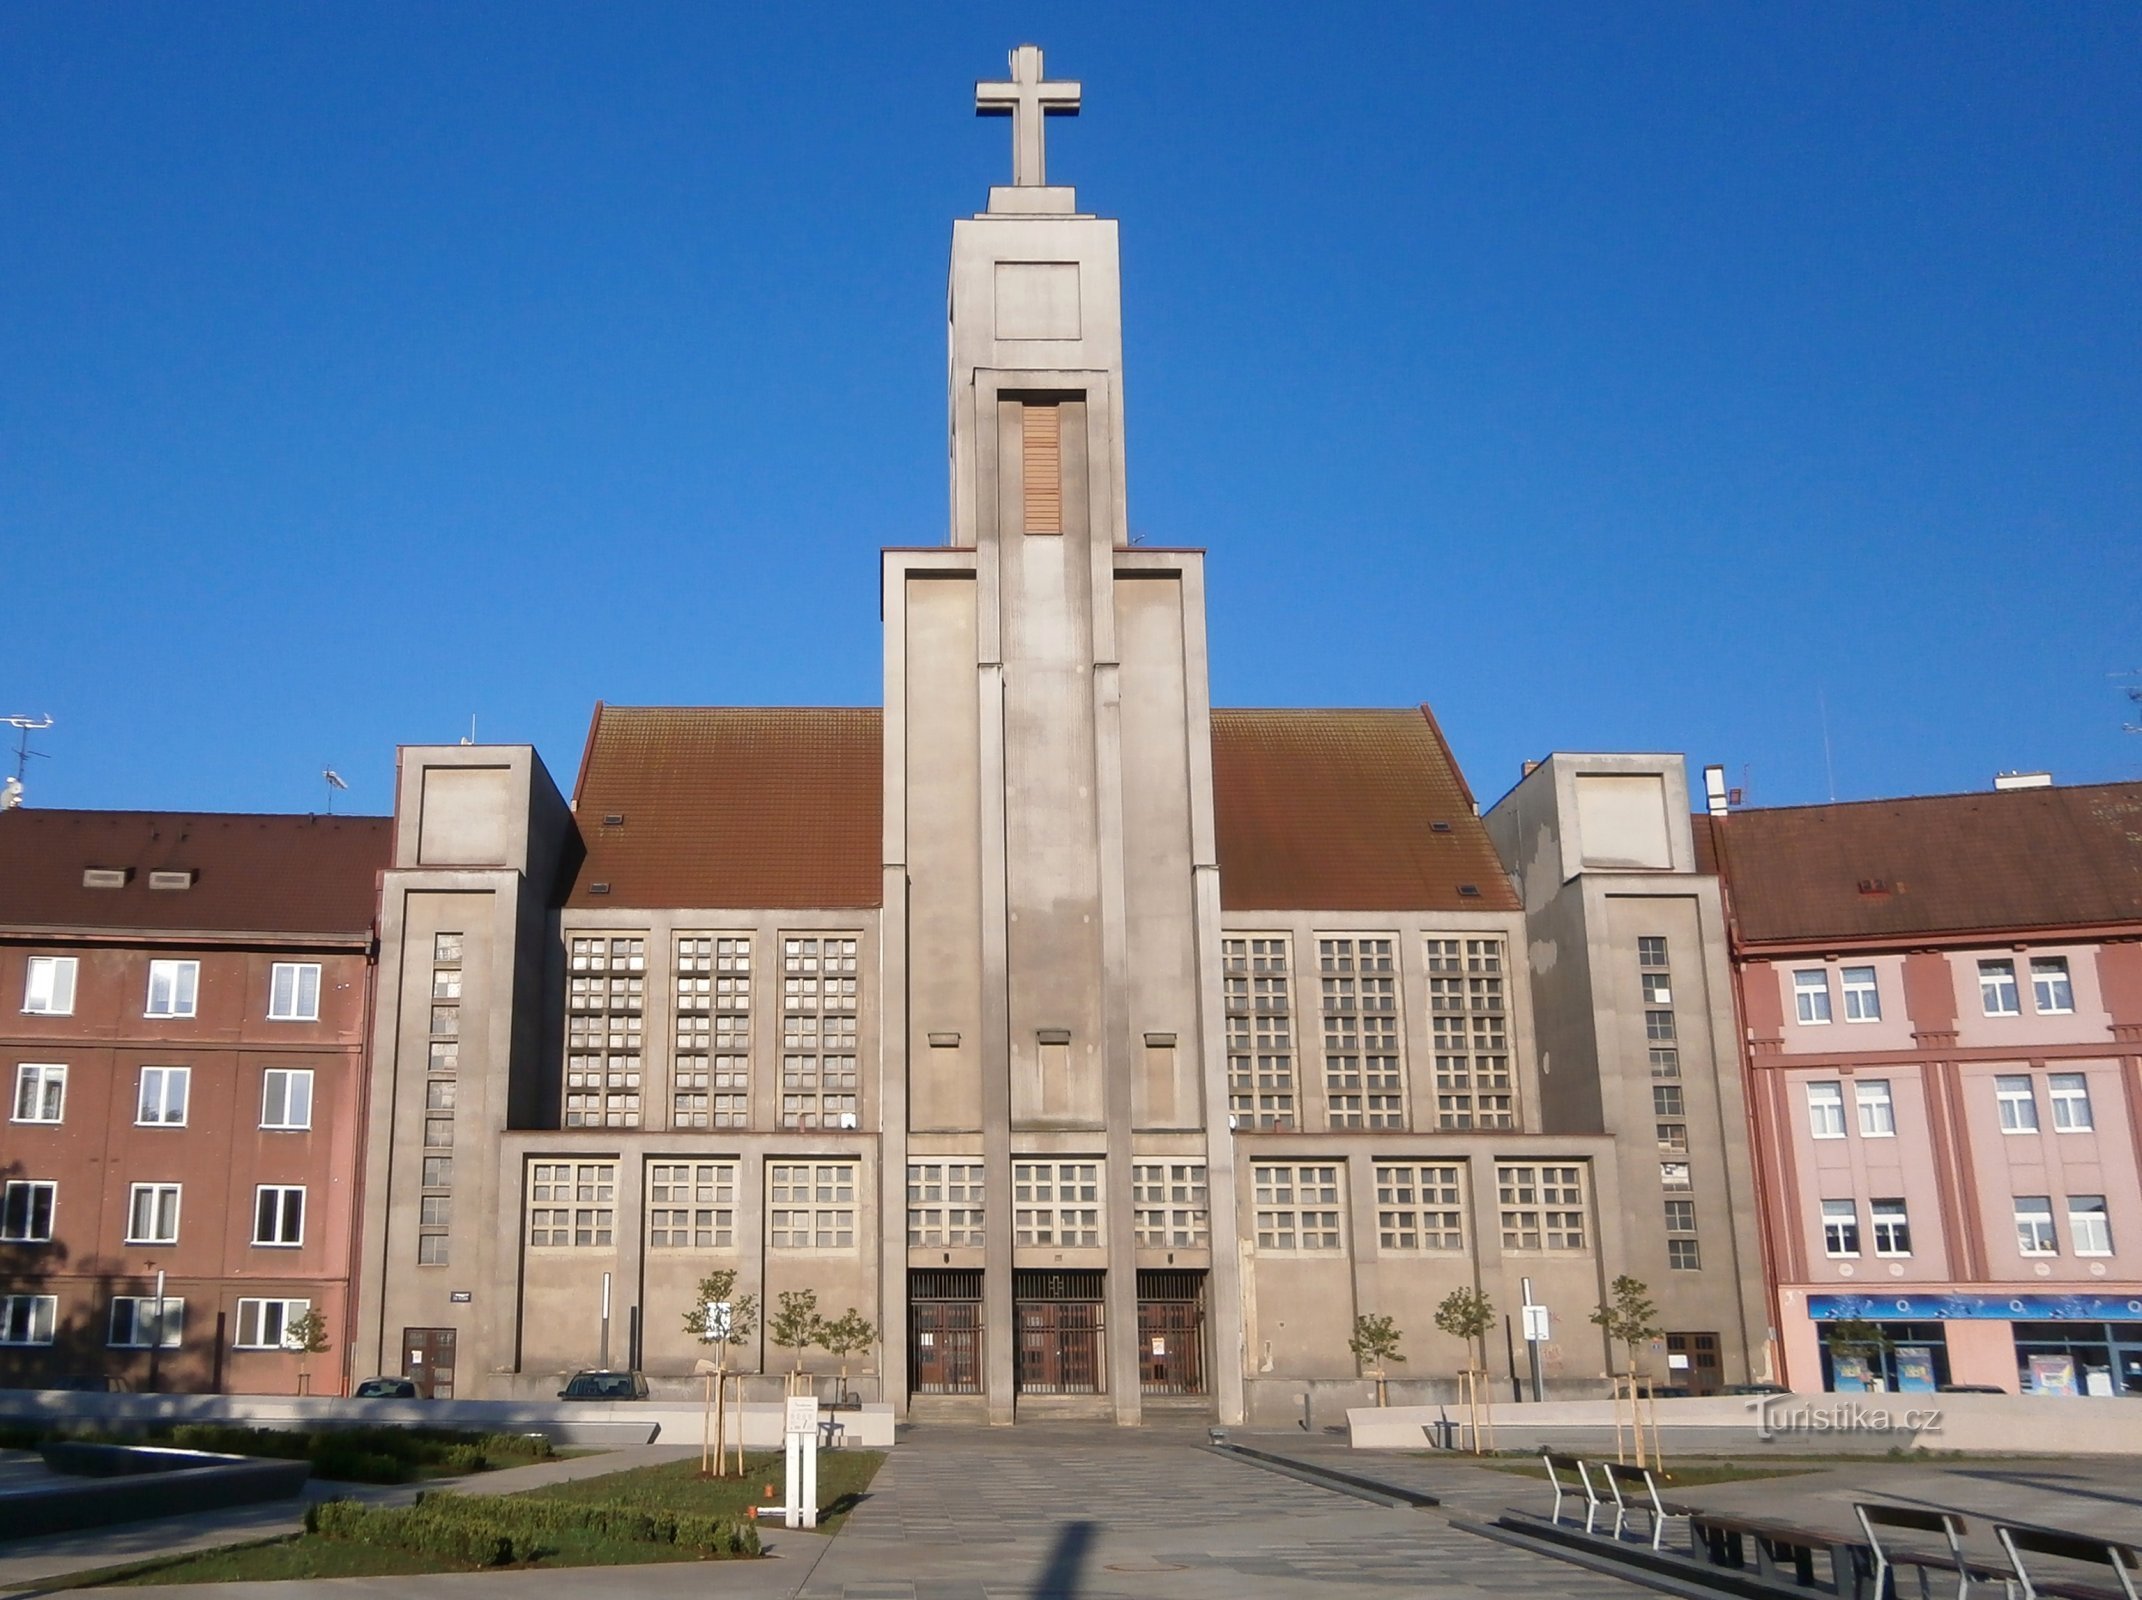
point(10, 794)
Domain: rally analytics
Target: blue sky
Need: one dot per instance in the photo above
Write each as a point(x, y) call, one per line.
point(1630, 377)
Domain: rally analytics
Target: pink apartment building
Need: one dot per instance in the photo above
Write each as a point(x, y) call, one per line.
point(1942, 1014)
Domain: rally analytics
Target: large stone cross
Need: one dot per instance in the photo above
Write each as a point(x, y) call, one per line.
point(1026, 100)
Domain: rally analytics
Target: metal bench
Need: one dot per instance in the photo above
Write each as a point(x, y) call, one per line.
point(1641, 1498)
point(1888, 1559)
point(1556, 1465)
point(2123, 1561)
point(1781, 1549)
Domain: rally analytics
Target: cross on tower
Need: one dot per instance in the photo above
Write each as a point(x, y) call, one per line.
point(1026, 100)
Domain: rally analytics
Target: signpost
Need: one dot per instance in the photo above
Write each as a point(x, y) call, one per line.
point(1539, 1329)
point(799, 1429)
point(714, 1430)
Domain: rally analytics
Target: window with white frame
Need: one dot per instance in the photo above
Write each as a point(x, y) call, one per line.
point(810, 1205)
point(944, 1204)
point(1997, 989)
point(1840, 1227)
point(819, 1004)
point(1468, 1013)
point(1168, 1205)
point(1297, 1205)
point(691, 1205)
point(266, 1324)
point(1420, 1206)
point(710, 1078)
point(135, 1322)
point(2070, 1094)
point(1542, 1207)
point(2018, 1101)
point(26, 1211)
point(173, 988)
point(572, 1205)
point(28, 1318)
point(1811, 994)
point(1825, 1109)
point(1877, 1111)
point(1258, 982)
point(161, 1102)
point(286, 1097)
point(1364, 1085)
point(48, 988)
point(279, 1214)
point(1056, 1203)
point(1892, 1227)
point(152, 1213)
point(294, 991)
point(2034, 1225)
point(2050, 989)
point(606, 997)
point(1862, 995)
point(2089, 1227)
point(40, 1092)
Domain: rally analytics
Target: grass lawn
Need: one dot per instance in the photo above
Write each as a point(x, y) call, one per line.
point(843, 1476)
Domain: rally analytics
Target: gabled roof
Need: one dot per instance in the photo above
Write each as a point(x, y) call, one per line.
point(1993, 862)
point(252, 874)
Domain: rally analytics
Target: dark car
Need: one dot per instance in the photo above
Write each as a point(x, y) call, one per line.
point(605, 1386)
point(386, 1389)
point(1757, 1388)
point(1972, 1388)
point(90, 1383)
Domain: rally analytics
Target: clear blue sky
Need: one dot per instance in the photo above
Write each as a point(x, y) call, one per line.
point(1610, 377)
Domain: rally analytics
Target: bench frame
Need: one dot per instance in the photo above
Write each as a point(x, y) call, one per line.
point(1658, 1510)
point(1923, 1519)
point(2018, 1538)
point(1592, 1503)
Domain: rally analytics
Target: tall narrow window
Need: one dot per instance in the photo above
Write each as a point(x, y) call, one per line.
point(1877, 1111)
point(1825, 1110)
point(606, 996)
point(1041, 462)
point(1840, 1228)
point(2018, 1103)
point(818, 1019)
point(1811, 994)
point(1362, 1082)
point(2034, 1225)
point(2050, 989)
point(1862, 995)
point(2088, 1226)
point(1892, 1228)
point(1997, 989)
point(1472, 1051)
point(710, 1085)
point(2070, 1093)
point(1260, 1032)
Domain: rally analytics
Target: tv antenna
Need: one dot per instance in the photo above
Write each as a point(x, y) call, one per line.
point(2134, 697)
point(11, 791)
point(333, 780)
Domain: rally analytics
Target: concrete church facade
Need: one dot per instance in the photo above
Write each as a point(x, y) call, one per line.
point(1108, 1051)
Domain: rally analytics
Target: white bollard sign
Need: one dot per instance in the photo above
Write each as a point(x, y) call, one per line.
point(799, 1429)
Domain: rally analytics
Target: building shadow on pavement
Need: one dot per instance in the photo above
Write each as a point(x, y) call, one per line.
point(1059, 1578)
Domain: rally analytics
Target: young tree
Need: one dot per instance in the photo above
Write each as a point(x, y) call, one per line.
point(307, 1335)
point(718, 1288)
point(1374, 1342)
point(1468, 1314)
point(797, 1325)
point(848, 1334)
point(1628, 1316)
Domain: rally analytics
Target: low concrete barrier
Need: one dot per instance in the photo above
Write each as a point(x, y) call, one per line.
point(100, 1484)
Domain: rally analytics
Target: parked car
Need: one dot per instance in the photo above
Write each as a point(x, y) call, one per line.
point(386, 1389)
point(1757, 1388)
point(605, 1386)
point(90, 1383)
point(1972, 1388)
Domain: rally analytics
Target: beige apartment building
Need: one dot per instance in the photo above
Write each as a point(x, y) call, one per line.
point(1110, 1052)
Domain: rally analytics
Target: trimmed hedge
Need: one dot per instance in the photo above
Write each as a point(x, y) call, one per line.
point(475, 1528)
point(347, 1455)
point(414, 1529)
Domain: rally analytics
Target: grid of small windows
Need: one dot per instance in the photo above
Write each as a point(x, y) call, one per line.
point(1260, 1032)
point(1363, 1083)
point(435, 1206)
point(691, 1205)
point(1168, 1205)
point(1654, 974)
point(606, 995)
point(818, 1022)
point(1419, 1207)
point(810, 1205)
point(710, 1080)
point(572, 1204)
point(1056, 1203)
point(1472, 1048)
point(1297, 1205)
point(1542, 1207)
point(944, 1203)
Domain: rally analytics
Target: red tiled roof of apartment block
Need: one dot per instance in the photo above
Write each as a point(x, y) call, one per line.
point(1939, 864)
point(252, 874)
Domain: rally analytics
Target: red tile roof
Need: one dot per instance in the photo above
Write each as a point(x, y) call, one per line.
point(1991, 862)
point(254, 874)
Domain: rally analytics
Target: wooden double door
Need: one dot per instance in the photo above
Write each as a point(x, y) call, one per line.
point(428, 1361)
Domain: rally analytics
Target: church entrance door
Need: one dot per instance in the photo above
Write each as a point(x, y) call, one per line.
point(1059, 1323)
point(1171, 1332)
point(944, 1341)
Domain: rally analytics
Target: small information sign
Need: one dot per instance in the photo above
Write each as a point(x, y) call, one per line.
point(799, 1427)
point(1537, 1328)
point(802, 1414)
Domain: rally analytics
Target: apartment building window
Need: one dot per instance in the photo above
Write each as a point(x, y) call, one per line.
point(40, 1092)
point(279, 1214)
point(1659, 1025)
point(1675, 1175)
point(810, 1205)
point(1673, 1136)
point(1419, 1206)
point(266, 1324)
point(152, 1213)
point(1665, 1062)
point(294, 991)
point(1811, 994)
point(26, 1211)
point(1997, 989)
point(2018, 1102)
point(1862, 995)
point(139, 1322)
point(161, 1101)
point(1840, 1227)
point(432, 1249)
point(944, 1204)
point(1825, 1110)
point(446, 1002)
point(1469, 1017)
point(819, 1004)
point(2034, 1225)
point(1651, 950)
point(1542, 1207)
point(286, 1098)
point(1658, 988)
point(2070, 1094)
point(48, 988)
point(1667, 1100)
point(572, 1205)
point(710, 1082)
point(2050, 989)
point(2089, 1227)
point(435, 1220)
point(1892, 1228)
point(1297, 1205)
point(1259, 986)
point(606, 996)
point(1363, 1084)
point(1877, 1112)
point(691, 1205)
point(1056, 1203)
point(28, 1318)
point(438, 1172)
point(173, 988)
point(1168, 1205)
point(1682, 1250)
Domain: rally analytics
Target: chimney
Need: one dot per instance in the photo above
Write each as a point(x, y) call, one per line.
point(1714, 790)
point(2022, 780)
